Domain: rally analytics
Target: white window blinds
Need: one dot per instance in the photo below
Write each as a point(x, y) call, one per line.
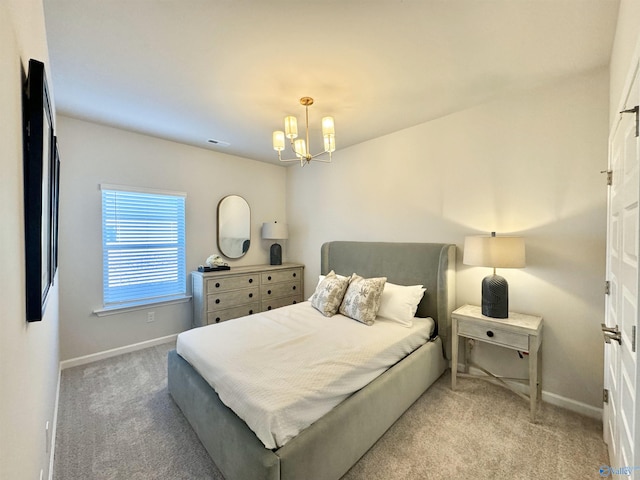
point(143, 242)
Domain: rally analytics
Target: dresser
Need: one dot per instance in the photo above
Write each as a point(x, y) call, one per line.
point(227, 294)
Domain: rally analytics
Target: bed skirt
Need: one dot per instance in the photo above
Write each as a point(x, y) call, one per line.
point(323, 451)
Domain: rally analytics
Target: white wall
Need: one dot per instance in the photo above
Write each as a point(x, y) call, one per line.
point(28, 352)
point(527, 164)
point(92, 154)
point(626, 43)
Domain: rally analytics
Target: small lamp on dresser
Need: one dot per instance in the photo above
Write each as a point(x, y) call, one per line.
point(275, 231)
point(494, 252)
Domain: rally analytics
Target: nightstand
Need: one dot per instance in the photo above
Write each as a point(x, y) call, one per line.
point(518, 332)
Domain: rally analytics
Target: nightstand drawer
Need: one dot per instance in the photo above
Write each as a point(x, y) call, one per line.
point(490, 334)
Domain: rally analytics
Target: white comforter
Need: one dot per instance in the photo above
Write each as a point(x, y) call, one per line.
point(282, 370)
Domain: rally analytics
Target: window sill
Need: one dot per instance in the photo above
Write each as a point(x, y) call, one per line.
point(130, 307)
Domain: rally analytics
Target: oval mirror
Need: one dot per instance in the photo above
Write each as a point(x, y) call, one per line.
point(234, 226)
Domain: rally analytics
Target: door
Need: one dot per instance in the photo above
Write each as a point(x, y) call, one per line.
point(621, 416)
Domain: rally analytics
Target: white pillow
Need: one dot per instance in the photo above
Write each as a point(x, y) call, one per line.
point(400, 302)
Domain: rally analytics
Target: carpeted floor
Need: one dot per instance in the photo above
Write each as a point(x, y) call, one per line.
point(117, 421)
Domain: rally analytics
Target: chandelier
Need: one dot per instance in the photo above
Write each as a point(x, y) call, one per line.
point(300, 146)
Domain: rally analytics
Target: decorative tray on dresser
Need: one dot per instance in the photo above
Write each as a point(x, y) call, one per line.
point(227, 294)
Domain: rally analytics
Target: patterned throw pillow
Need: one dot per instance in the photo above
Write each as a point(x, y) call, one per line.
point(329, 293)
point(362, 300)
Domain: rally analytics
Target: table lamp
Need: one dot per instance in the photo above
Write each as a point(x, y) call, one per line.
point(275, 231)
point(494, 252)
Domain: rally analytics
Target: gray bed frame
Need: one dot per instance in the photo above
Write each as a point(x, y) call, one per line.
point(328, 448)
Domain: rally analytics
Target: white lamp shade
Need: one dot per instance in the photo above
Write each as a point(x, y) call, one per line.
point(275, 231)
point(329, 143)
point(278, 140)
point(328, 127)
point(300, 147)
point(495, 252)
point(291, 126)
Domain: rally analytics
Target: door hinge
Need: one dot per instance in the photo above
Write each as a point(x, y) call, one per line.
point(635, 110)
point(633, 338)
point(607, 287)
point(609, 176)
point(605, 395)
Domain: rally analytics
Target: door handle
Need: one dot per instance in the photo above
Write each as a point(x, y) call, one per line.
point(611, 333)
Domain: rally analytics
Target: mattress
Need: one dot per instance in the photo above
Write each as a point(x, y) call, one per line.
point(283, 369)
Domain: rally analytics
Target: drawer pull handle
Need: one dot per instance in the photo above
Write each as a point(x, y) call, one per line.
point(217, 284)
point(489, 333)
point(294, 287)
point(294, 274)
point(250, 312)
point(251, 280)
point(251, 295)
point(269, 307)
point(217, 300)
point(269, 277)
point(268, 292)
point(295, 301)
point(217, 319)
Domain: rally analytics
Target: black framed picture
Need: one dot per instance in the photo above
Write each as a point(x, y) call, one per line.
point(55, 204)
point(38, 182)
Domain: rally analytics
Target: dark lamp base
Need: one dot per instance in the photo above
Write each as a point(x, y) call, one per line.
point(276, 254)
point(495, 297)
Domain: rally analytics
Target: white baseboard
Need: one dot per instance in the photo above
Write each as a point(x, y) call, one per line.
point(94, 357)
point(52, 439)
point(552, 398)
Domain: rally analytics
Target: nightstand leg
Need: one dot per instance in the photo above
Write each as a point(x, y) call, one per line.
point(533, 382)
point(454, 353)
point(539, 374)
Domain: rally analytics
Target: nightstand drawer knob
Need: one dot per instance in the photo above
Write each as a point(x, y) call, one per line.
point(489, 333)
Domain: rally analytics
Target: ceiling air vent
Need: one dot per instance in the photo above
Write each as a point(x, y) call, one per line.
point(219, 143)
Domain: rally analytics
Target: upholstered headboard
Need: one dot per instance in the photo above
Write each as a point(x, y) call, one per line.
point(429, 264)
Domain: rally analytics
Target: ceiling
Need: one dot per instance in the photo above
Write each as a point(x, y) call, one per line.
point(230, 70)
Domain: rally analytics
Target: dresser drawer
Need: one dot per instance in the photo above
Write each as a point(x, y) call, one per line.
point(281, 276)
point(279, 290)
point(230, 313)
point(272, 303)
point(490, 334)
point(222, 284)
point(233, 298)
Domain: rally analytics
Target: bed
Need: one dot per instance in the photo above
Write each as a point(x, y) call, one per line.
point(331, 445)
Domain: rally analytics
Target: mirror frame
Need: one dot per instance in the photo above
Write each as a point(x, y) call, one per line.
point(220, 212)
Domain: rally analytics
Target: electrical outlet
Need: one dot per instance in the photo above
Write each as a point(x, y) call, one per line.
point(151, 316)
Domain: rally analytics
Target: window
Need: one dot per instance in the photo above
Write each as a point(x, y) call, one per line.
point(143, 246)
